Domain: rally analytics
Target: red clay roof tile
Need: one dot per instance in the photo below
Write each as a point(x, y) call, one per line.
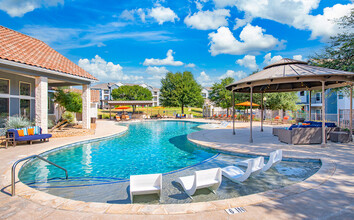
point(21, 48)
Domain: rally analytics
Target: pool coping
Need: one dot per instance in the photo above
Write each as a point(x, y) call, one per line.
point(326, 170)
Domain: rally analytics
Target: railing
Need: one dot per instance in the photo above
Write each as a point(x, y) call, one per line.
point(13, 171)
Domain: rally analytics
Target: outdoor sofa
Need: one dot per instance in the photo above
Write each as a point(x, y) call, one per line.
point(309, 132)
point(180, 115)
point(27, 134)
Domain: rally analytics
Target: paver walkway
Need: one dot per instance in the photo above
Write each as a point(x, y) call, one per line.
point(334, 199)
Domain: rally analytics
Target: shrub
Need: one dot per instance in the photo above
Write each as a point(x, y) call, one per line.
point(17, 122)
point(69, 116)
point(51, 123)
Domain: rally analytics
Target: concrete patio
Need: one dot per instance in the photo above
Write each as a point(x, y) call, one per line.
point(328, 195)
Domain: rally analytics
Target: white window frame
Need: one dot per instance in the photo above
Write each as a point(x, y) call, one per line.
point(19, 89)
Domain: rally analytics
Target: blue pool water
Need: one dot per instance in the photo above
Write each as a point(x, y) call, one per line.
point(151, 147)
point(99, 171)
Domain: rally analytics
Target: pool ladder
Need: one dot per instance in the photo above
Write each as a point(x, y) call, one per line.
point(13, 171)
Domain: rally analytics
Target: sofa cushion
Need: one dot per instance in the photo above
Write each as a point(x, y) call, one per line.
point(30, 131)
point(33, 137)
point(20, 132)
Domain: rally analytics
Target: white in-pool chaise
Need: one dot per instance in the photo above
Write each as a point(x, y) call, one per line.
point(210, 179)
point(145, 184)
point(237, 175)
point(275, 157)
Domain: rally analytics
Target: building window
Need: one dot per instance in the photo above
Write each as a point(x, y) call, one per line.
point(25, 109)
point(204, 95)
point(340, 96)
point(302, 93)
point(51, 103)
point(4, 111)
point(25, 89)
point(155, 93)
point(106, 91)
point(318, 97)
point(4, 86)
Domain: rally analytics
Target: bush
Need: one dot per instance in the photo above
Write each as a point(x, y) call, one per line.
point(17, 122)
point(51, 123)
point(69, 116)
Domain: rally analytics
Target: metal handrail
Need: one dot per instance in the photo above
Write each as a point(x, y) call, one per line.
point(26, 158)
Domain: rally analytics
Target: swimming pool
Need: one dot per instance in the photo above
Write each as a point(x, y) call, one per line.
point(99, 170)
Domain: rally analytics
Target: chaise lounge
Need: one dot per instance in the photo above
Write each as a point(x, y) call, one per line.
point(28, 134)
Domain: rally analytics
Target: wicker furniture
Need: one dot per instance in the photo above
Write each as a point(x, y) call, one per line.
point(309, 135)
point(340, 136)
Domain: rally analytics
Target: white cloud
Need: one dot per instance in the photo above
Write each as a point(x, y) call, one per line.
point(295, 13)
point(20, 7)
point(191, 65)
point(252, 40)
point(208, 20)
point(297, 57)
point(224, 3)
point(156, 72)
point(236, 75)
point(168, 61)
point(162, 14)
point(248, 61)
point(324, 25)
point(106, 71)
point(268, 59)
point(130, 14)
point(204, 79)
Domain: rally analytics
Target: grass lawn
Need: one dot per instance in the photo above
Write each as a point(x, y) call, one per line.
point(169, 111)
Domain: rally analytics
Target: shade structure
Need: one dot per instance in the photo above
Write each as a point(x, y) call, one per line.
point(289, 75)
point(133, 102)
point(247, 104)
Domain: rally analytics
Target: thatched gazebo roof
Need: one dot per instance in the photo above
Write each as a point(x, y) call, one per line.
point(289, 75)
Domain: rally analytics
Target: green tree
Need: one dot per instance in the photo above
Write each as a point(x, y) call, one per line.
point(282, 101)
point(220, 95)
point(71, 101)
point(180, 90)
point(131, 93)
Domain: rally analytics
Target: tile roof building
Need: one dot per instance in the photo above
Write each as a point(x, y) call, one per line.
point(28, 68)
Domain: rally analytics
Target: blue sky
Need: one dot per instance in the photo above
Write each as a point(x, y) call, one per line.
point(139, 41)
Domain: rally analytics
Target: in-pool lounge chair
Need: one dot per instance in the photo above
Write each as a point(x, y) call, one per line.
point(237, 175)
point(275, 157)
point(210, 179)
point(145, 184)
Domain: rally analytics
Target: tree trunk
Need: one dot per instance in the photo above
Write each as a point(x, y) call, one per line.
point(227, 112)
point(182, 109)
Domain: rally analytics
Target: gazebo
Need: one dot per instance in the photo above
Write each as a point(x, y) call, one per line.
point(289, 75)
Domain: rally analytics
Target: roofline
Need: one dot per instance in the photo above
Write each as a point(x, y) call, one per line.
point(41, 69)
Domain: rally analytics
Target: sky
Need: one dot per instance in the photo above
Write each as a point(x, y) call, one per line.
point(139, 41)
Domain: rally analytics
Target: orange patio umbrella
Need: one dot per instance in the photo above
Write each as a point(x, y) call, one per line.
point(122, 107)
point(247, 104)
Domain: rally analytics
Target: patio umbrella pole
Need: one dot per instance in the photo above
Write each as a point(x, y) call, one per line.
point(251, 139)
point(233, 112)
point(324, 136)
point(110, 112)
point(262, 112)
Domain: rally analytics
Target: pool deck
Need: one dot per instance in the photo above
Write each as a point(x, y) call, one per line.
point(329, 194)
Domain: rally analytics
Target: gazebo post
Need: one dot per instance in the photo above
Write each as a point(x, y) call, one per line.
point(251, 139)
point(110, 112)
point(233, 112)
point(351, 111)
point(324, 136)
point(262, 112)
point(310, 105)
